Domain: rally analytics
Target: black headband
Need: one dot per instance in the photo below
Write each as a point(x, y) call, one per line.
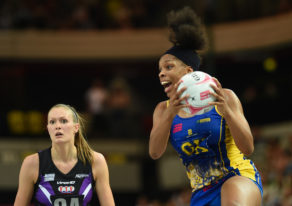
point(187, 56)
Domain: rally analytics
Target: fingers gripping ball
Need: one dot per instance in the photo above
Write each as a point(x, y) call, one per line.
point(198, 89)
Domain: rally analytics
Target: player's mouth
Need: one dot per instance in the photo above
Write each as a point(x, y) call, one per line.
point(167, 86)
point(59, 134)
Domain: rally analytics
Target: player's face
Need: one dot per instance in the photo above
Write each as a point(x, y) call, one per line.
point(61, 126)
point(170, 71)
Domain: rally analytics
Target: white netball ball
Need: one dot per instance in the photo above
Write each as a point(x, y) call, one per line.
point(198, 88)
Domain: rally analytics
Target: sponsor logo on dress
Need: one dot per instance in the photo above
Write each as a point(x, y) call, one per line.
point(204, 120)
point(49, 177)
point(81, 175)
point(66, 189)
point(177, 128)
point(65, 183)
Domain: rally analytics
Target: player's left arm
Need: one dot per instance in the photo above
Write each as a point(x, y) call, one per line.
point(102, 183)
point(230, 107)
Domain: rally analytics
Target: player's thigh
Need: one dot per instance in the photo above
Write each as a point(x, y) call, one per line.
point(240, 191)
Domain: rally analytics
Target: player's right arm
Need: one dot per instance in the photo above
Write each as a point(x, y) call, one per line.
point(27, 178)
point(162, 119)
point(160, 131)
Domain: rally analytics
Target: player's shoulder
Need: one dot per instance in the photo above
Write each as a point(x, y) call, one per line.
point(228, 91)
point(31, 160)
point(99, 165)
point(98, 158)
point(30, 166)
point(230, 94)
point(232, 99)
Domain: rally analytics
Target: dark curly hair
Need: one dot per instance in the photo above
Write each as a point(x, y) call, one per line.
point(187, 30)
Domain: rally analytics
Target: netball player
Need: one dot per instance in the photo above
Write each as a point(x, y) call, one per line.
point(67, 173)
point(212, 146)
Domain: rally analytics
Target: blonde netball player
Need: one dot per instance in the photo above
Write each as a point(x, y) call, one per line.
point(67, 173)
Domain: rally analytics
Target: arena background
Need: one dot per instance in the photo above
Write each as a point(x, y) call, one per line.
point(54, 51)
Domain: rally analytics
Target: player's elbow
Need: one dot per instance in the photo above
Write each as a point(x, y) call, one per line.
point(249, 150)
point(154, 155)
point(156, 150)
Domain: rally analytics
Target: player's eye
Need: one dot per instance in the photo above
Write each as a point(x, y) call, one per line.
point(52, 121)
point(169, 66)
point(63, 121)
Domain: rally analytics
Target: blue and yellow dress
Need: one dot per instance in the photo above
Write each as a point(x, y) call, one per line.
point(208, 151)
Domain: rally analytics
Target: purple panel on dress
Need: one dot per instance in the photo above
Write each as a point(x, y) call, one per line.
point(41, 196)
point(87, 181)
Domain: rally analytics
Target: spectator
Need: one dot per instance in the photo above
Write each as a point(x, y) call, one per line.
point(119, 108)
point(96, 97)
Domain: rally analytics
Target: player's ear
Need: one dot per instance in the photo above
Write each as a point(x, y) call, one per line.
point(190, 69)
point(76, 127)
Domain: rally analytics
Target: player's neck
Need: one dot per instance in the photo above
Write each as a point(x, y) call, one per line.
point(64, 153)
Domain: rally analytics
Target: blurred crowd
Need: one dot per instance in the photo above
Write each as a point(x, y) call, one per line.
point(125, 14)
point(112, 109)
point(276, 170)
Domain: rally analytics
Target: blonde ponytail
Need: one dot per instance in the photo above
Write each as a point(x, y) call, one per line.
point(84, 151)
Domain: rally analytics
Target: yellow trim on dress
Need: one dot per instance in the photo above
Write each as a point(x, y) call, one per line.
point(236, 157)
point(221, 156)
point(217, 110)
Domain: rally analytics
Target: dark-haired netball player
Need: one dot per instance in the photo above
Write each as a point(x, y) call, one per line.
point(212, 146)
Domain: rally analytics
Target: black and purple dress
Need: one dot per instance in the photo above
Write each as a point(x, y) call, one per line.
point(55, 188)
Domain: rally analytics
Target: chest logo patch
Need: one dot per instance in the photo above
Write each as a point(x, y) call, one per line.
point(66, 189)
